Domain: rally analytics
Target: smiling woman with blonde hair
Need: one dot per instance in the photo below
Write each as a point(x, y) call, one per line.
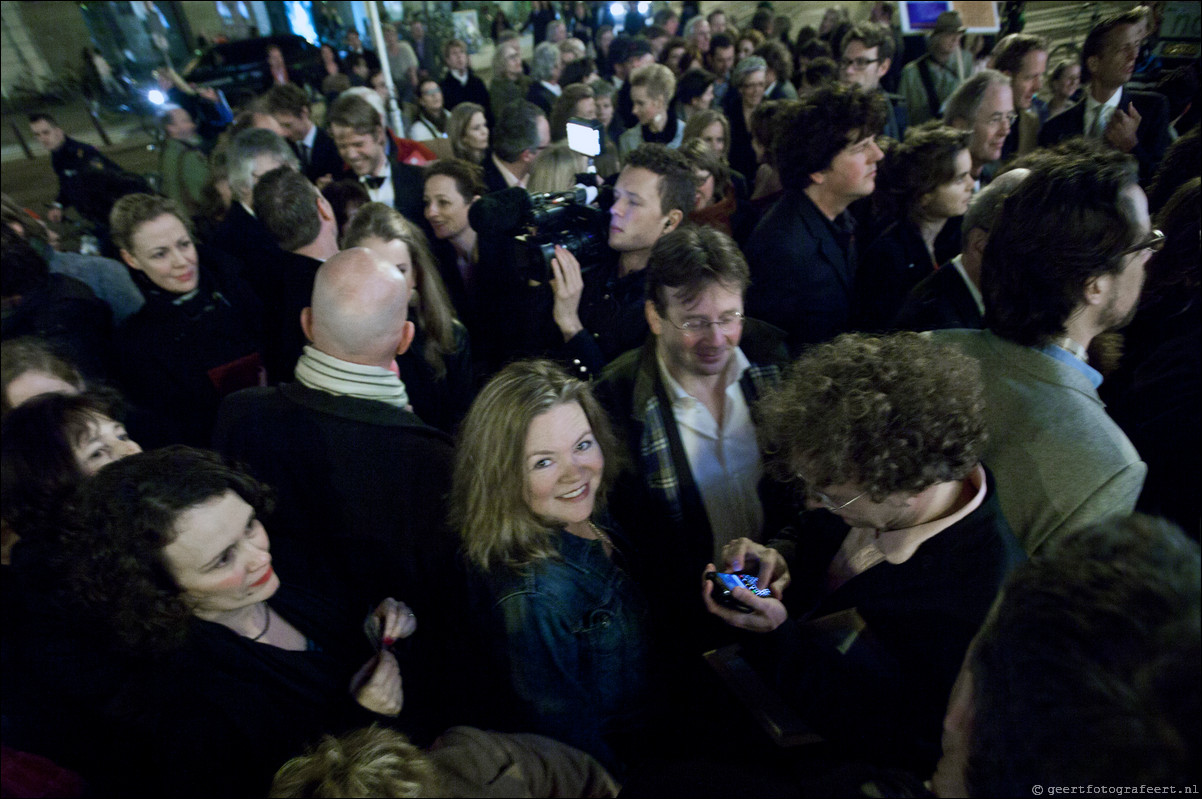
point(534, 461)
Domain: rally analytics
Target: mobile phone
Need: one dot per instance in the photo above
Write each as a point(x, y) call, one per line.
point(725, 582)
point(584, 137)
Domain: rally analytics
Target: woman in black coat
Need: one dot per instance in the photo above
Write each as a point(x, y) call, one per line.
point(198, 336)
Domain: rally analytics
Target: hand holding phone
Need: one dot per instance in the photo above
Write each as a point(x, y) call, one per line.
point(739, 600)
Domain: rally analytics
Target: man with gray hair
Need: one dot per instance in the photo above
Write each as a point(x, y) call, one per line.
point(251, 155)
point(545, 67)
point(521, 133)
point(301, 221)
point(983, 106)
point(950, 298)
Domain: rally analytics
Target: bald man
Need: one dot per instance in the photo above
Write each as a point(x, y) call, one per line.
point(360, 479)
point(358, 316)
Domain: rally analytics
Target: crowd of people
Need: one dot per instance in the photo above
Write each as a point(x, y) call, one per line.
point(910, 349)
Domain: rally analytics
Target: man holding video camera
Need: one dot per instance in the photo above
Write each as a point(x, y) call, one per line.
point(599, 310)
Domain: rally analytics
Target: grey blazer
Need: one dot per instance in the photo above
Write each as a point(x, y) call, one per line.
point(1061, 463)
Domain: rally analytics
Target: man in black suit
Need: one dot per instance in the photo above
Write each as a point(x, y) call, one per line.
point(314, 148)
point(460, 84)
point(358, 132)
point(252, 154)
point(302, 222)
point(950, 297)
point(803, 252)
point(544, 71)
point(1130, 121)
point(520, 134)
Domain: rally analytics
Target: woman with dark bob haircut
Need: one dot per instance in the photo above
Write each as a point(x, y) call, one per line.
point(921, 184)
point(534, 461)
point(50, 444)
point(230, 673)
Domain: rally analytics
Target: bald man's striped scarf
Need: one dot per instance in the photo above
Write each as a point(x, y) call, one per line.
point(317, 370)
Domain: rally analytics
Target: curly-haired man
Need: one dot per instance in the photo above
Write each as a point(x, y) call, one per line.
point(895, 568)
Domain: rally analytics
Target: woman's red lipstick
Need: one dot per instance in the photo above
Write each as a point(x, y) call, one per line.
point(263, 580)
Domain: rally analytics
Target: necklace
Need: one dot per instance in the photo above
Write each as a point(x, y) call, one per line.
point(266, 623)
point(602, 537)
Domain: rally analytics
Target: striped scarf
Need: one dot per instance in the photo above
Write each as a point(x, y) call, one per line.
point(322, 372)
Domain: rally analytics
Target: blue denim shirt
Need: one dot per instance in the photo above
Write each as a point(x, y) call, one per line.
point(577, 644)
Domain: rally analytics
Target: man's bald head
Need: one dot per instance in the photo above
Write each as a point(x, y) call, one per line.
point(359, 309)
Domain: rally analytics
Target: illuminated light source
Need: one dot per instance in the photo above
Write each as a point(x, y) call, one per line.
point(156, 96)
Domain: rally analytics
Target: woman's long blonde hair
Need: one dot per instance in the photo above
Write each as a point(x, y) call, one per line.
point(488, 494)
point(432, 305)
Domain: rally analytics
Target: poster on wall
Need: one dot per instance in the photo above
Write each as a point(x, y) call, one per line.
point(467, 29)
point(980, 16)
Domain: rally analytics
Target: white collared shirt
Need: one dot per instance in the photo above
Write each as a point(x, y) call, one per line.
point(461, 77)
point(725, 463)
point(511, 179)
point(310, 137)
point(385, 193)
point(864, 548)
point(958, 263)
point(1093, 108)
point(552, 87)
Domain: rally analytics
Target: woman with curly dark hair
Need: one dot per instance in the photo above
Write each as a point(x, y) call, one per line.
point(229, 673)
point(901, 553)
point(921, 184)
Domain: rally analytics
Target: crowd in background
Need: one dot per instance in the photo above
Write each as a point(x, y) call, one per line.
point(914, 343)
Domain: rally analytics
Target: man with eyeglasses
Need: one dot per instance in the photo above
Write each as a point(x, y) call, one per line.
point(682, 405)
point(1129, 121)
point(903, 548)
point(1064, 263)
point(866, 55)
point(984, 106)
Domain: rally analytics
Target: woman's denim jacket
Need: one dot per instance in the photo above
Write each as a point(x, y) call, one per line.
point(577, 642)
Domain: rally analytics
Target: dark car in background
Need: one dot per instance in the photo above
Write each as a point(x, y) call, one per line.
point(240, 68)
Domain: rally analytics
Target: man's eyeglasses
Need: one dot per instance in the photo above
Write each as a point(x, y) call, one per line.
point(696, 328)
point(857, 64)
point(1154, 242)
point(997, 118)
point(829, 503)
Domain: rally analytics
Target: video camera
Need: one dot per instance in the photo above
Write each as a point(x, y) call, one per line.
point(536, 223)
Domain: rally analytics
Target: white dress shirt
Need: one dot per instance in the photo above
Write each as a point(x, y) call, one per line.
point(1097, 115)
point(725, 462)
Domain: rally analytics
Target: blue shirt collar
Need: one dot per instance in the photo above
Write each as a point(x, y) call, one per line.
point(1064, 356)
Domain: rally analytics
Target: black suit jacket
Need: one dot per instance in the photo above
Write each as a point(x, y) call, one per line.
point(291, 291)
point(1153, 131)
point(493, 179)
point(541, 96)
point(323, 160)
point(802, 276)
point(244, 237)
point(407, 189)
point(941, 301)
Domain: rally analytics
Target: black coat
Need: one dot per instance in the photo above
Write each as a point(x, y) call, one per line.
point(67, 315)
point(361, 508)
point(1152, 133)
point(474, 91)
point(439, 402)
point(803, 271)
point(242, 236)
point(323, 160)
point(940, 301)
point(888, 690)
point(541, 96)
point(167, 354)
point(889, 267)
point(290, 291)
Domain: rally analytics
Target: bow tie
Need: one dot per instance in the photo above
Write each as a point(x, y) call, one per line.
point(372, 181)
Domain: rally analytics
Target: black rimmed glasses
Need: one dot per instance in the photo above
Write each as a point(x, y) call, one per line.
point(1154, 242)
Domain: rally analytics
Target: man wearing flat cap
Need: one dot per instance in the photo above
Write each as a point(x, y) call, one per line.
point(929, 80)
